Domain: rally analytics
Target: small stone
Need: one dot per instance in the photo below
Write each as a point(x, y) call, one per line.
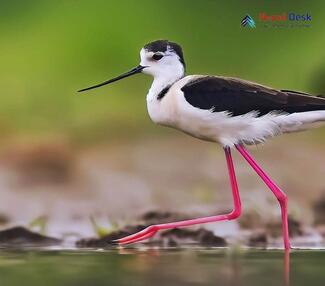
point(20, 236)
point(180, 233)
point(201, 236)
point(258, 239)
point(207, 238)
point(156, 217)
point(274, 229)
point(108, 240)
point(319, 210)
point(295, 227)
point(172, 243)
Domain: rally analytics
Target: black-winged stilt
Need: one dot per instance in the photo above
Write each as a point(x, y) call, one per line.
point(230, 111)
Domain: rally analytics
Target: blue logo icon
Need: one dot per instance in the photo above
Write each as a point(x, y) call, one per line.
point(248, 21)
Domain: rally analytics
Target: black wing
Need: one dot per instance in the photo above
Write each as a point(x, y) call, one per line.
point(239, 97)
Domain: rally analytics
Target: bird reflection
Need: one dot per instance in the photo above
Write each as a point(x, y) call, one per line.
point(286, 267)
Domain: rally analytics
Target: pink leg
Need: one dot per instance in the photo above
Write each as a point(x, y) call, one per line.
point(281, 196)
point(235, 213)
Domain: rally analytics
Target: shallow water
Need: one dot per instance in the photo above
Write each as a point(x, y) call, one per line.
point(161, 267)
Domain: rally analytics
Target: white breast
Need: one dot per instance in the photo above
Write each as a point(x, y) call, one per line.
point(163, 111)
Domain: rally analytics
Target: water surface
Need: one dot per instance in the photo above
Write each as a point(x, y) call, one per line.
point(161, 267)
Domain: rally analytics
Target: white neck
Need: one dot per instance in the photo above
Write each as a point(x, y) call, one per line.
point(159, 83)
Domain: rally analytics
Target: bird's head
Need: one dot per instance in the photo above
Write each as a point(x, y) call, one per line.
point(160, 59)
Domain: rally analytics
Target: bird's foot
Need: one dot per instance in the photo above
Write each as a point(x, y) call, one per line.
point(138, 236)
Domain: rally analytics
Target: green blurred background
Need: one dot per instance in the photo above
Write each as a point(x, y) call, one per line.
point(50, 49)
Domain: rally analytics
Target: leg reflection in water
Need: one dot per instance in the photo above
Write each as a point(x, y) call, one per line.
point(286, 267)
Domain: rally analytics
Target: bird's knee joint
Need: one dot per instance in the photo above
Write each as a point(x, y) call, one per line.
point(234, 214)
point(153, 228)
point(283, 199)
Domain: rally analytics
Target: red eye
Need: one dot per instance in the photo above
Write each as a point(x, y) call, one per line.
point(157, 57)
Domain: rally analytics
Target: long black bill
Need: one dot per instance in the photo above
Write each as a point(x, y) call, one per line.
point(136, 70)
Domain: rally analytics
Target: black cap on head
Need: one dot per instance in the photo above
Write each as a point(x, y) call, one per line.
point(162, 46)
